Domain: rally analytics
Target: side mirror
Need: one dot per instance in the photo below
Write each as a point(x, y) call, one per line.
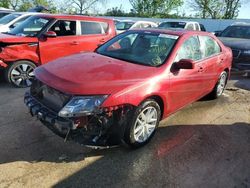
point(217, 33)
point(184, 64)
point(50, 34)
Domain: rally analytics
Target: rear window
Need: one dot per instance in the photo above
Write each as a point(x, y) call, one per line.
point(236, 32)
point(166, 25)
point(124, 25)
point(88, 28)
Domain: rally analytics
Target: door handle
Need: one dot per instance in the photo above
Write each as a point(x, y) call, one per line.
point(200, 69)
point(75, 43)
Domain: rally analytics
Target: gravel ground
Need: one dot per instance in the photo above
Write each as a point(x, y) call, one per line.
point(206, 144)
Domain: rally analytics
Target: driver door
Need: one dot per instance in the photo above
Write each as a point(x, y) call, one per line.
point(64, 44)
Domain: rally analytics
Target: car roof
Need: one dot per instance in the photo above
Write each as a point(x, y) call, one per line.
point(178, 21)
point(75, 17)
point(27, 13)
point(6, 9)
point(177, 32)
point(240, 24)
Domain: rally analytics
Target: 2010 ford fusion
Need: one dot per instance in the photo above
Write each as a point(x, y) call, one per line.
point(119, 93)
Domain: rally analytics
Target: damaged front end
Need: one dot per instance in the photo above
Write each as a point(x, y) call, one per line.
point(103, 127)
point(14, 51)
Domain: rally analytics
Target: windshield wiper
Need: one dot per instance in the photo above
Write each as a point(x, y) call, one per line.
point(7, 33)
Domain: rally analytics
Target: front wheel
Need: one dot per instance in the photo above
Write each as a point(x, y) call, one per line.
point(143, 125)
point(220, 86)
point(20, 73)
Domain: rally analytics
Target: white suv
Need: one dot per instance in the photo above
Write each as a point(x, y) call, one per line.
point(10, 21)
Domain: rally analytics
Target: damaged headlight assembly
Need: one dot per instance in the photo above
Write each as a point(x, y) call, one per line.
point(82, 106)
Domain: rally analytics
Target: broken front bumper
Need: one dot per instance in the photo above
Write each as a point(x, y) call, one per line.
point(99, 130)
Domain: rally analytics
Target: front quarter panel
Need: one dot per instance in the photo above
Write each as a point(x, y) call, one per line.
point(15, 52)
point(136, 93)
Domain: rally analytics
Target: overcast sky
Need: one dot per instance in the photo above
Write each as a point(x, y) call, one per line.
point(244, 10)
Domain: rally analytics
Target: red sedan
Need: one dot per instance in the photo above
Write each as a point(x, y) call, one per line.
point(122, 91)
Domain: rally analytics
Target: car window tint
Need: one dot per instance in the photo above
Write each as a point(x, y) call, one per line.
point(190, 49)
point(88, 28)
point(124, 25)
point(64, 28)
point(30, 27)
point(141, 48)
point(19, 21)
point(236, 32)
point(209, 46)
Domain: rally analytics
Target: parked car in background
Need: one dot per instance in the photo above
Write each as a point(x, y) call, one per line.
point(43, 38)
point(122, 91)
point(124, 25)
point(188, 25)
point(4, 12)
point(10, 21)
point(237, 37)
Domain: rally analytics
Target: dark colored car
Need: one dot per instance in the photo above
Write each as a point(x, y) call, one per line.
point(237, 37)
point(45, 37)
point(122, 91)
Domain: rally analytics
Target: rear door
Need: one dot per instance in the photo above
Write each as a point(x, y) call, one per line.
point(212, 60)
point(92, 34)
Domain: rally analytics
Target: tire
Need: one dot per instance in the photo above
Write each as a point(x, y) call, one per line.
point(20, 73)
point(220, 86)
point(140, 130)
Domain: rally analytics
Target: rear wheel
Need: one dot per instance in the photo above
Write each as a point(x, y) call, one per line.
point(220, 86)
point(143, 125)
point(20, 73)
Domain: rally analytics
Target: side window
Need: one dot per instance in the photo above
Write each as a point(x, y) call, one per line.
point(190, 49)
point(190, 26)
point(209, 46)
point(196, 26)
point(64, 28)
point(88, 28)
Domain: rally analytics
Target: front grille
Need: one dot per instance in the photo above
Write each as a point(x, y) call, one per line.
point(50, 97)
point(236, 53)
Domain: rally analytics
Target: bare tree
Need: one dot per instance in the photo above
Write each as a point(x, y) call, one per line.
point(227, 9)
point(153, 7)
point(14, 4)
point(84, 5)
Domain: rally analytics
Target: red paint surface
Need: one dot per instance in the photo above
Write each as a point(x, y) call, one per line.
point(128, 83)
point(48, 49)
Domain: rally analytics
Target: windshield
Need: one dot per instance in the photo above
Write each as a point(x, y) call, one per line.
point(236, 32)
point(30, 27)
point(145, 48)
point(8, 18)
point(124, 25)
point(166, 25)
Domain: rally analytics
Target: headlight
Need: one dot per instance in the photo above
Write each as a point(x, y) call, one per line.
point(82, 105)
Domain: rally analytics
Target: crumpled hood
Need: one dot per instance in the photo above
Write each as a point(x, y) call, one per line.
point(91, 73)
point(16, 39)
point(236, 43)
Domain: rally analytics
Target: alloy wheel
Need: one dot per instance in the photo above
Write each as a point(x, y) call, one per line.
point(221, 84)
point(22, 74)
point(145, 124)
